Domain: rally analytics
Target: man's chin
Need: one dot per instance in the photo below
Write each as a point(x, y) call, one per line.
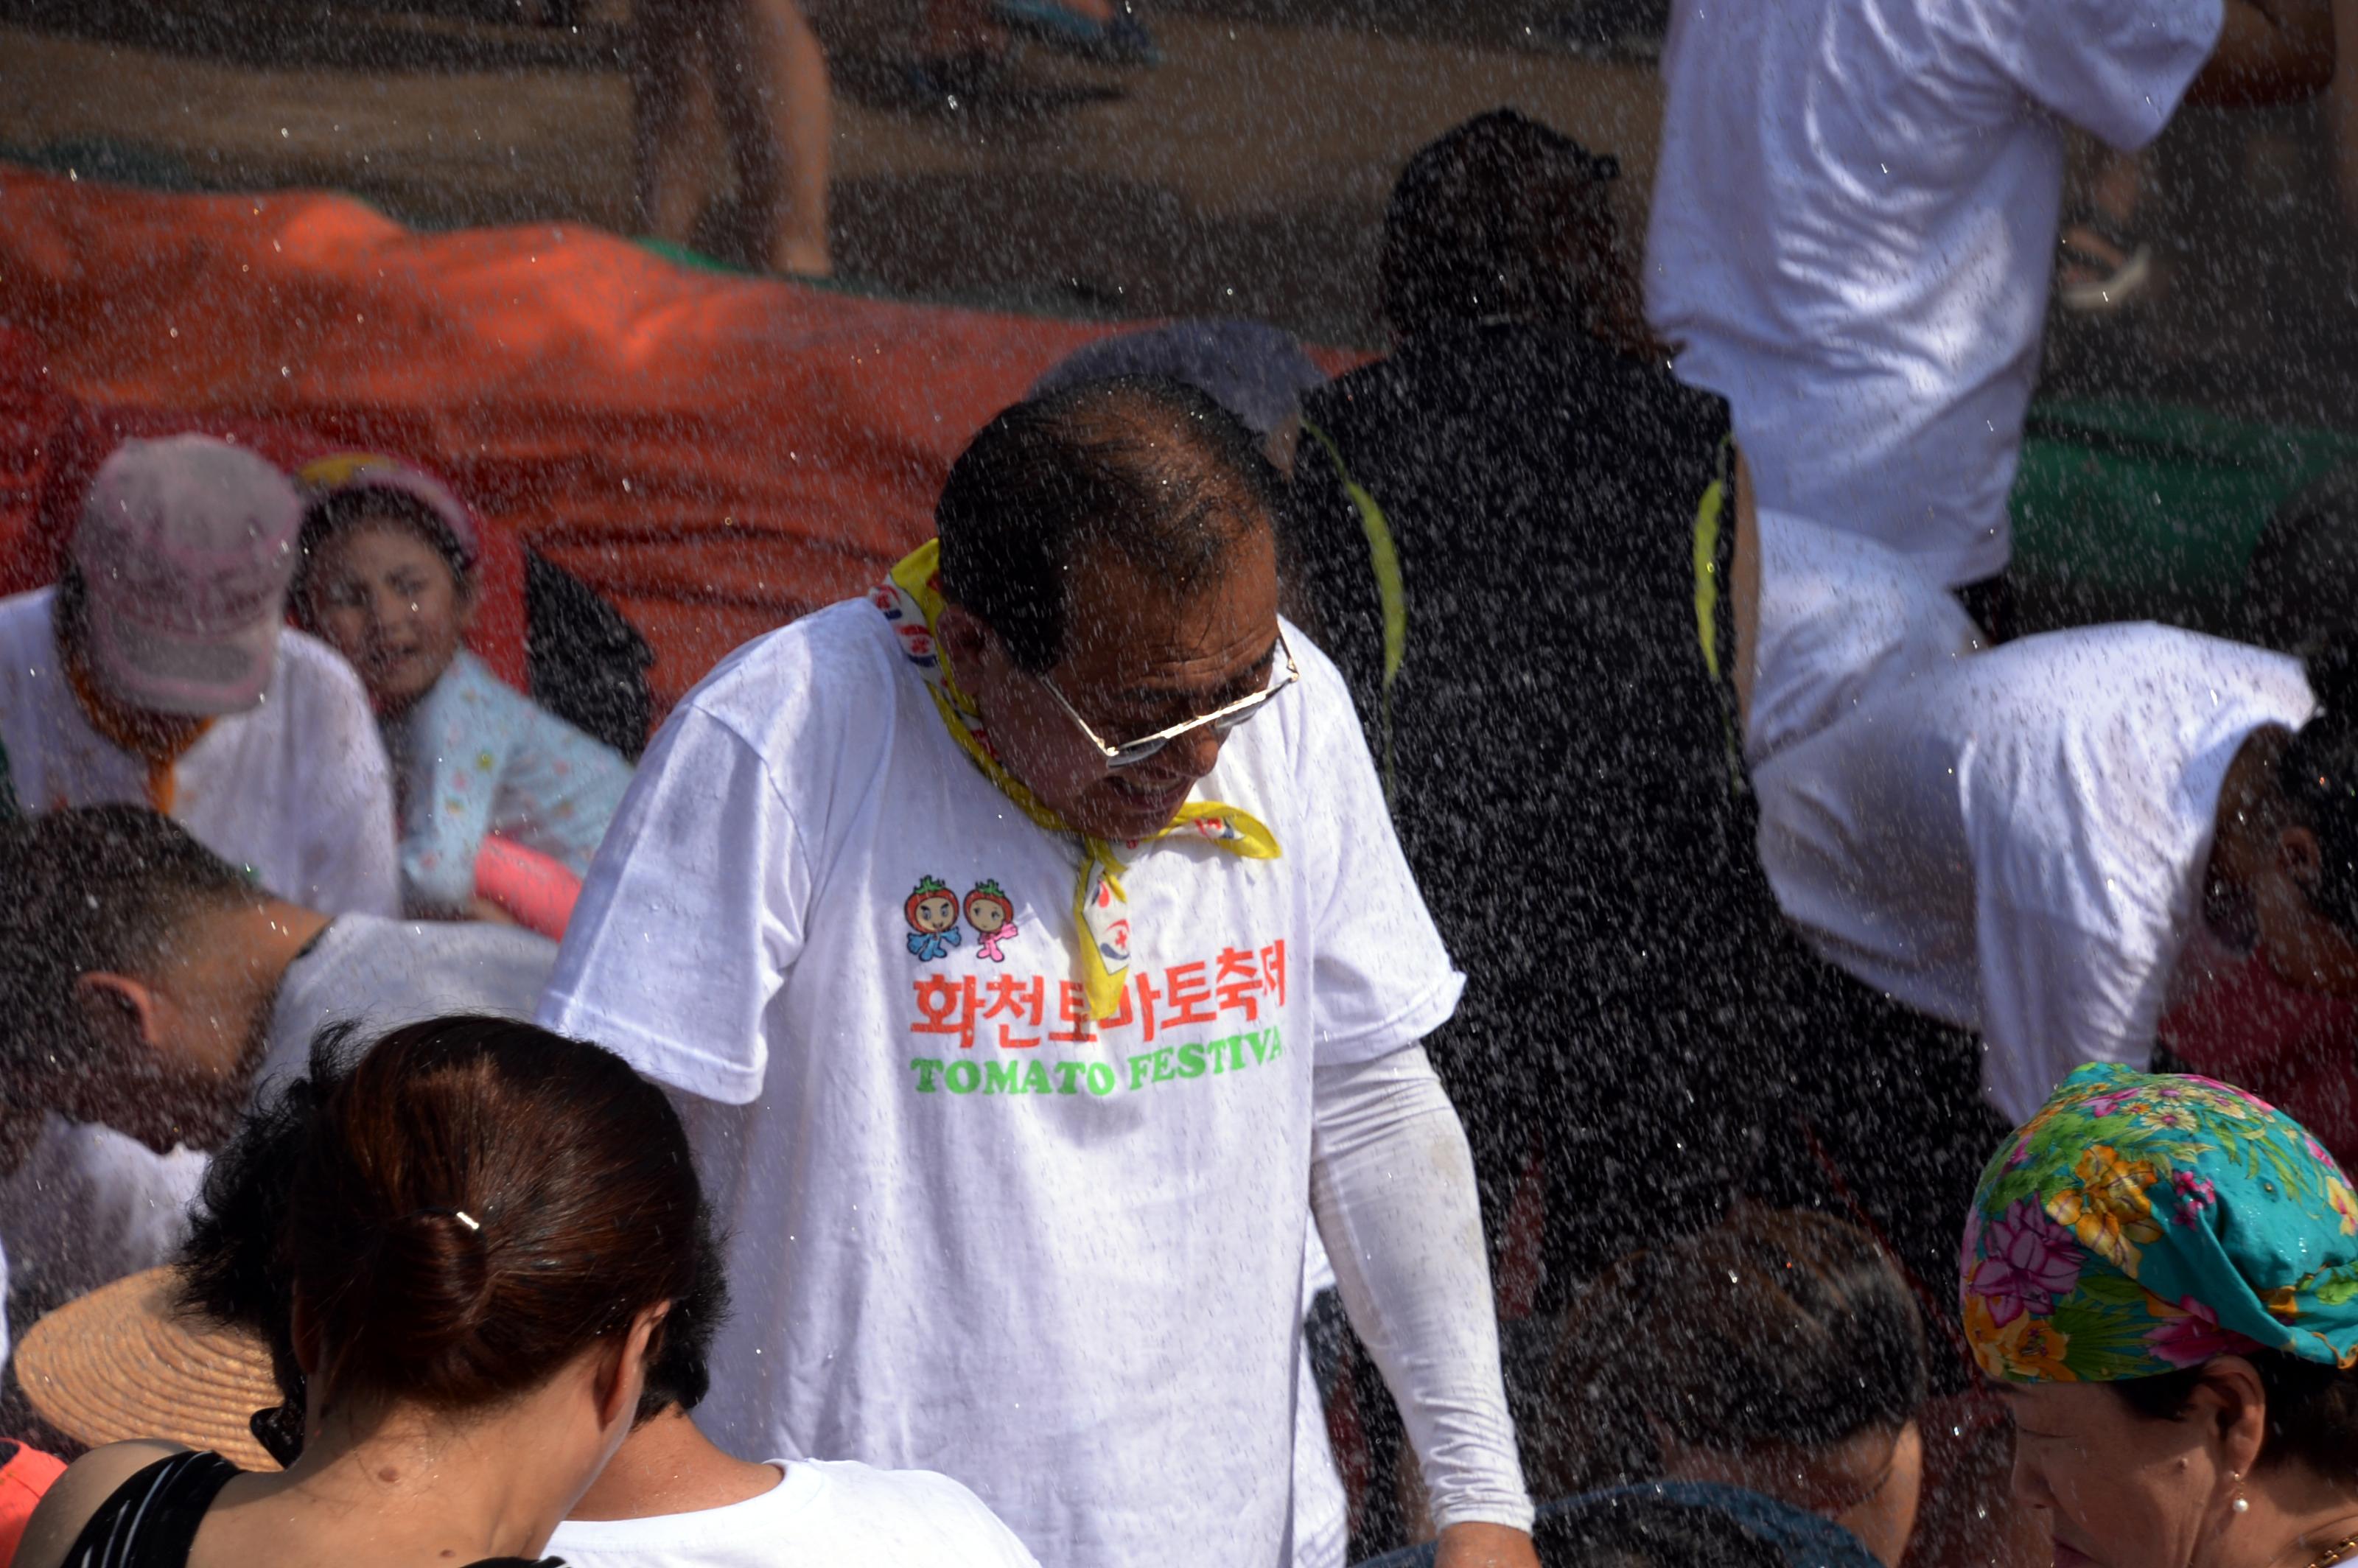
point(1120, 813)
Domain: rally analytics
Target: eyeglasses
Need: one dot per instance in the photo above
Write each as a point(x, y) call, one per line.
point(1221, 719)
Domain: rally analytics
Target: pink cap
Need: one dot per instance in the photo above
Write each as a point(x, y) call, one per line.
point(340, 473)
point(187, 544)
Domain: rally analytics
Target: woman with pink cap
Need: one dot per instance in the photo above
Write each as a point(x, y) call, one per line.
point(158, 671)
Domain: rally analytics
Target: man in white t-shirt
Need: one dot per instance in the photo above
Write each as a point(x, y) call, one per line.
point(2021, 840)
point(168, 982)
point(1022, 990)
point(1855, 219)
point(158, 671)
point(670, 1498)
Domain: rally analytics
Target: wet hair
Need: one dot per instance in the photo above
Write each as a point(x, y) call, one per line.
point(332, 513)
point(1505, 218)
point(445, 1257)
point(1155, 470)
point(1256, 372)
point(2317, 777)
point(89, 890)
point(2312, 1410)
point(1628, 1530)
point(2298, 585)
point(1774, 1327)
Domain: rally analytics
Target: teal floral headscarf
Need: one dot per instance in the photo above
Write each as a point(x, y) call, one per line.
point(2140, 1224)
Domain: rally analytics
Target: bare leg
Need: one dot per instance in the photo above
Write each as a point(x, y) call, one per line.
point(670, 115)
point(770, 83)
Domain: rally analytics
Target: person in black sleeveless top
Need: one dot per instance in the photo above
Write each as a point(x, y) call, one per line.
point(490, 1227)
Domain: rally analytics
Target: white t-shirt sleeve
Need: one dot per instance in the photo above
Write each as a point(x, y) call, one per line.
point(349, 865)
point(1381, 978)
point(689, 918)
point(2116, 68)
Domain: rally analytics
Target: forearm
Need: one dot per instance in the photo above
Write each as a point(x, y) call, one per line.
point(1392, 1188)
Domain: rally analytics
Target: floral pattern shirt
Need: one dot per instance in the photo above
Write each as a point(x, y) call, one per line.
point(476, 756)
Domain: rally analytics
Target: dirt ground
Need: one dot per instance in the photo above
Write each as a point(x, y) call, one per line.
point(1246, 174)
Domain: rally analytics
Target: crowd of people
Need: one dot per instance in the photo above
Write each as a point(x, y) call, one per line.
point(1518, 925)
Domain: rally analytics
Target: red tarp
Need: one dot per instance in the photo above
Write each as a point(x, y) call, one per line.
point(714, 454)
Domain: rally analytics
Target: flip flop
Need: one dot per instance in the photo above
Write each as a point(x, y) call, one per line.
point(1123, 41)
point(2116, 284)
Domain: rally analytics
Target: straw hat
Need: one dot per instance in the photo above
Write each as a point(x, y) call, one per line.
point(121, 1362)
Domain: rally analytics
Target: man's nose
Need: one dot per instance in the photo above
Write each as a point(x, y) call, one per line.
point(1197, 750)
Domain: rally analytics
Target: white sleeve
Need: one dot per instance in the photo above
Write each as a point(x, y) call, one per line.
point(349, 864)
point(1380, 978)
point(2055, 996)
point(689, 918)
point(1391, 1186)
point(90, 1204)
point(2116, 68)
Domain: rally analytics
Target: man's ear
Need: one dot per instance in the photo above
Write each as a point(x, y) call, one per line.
point(2301, 857)
point(123, 1014)
point(961, 632)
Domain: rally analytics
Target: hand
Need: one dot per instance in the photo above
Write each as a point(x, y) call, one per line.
point(1478, 1545)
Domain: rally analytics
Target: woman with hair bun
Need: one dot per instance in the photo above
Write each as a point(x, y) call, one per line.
point(489, 1225)
point(2161, 1273)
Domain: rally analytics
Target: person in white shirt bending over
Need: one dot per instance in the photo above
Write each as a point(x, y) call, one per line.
point(1033, 947)
point(1855, 219)
point(130, 943)
point(158, 671)
point(2022, 839)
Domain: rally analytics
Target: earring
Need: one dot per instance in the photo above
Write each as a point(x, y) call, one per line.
point(2242, 1505)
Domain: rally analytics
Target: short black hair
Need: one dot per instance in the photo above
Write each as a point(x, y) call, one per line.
point(2317, 777)
point(1793, 1329)
point(1635, 1530)
point(2312, 1410)
point(1506, 218)
point(87, 890)
point(1153, 469)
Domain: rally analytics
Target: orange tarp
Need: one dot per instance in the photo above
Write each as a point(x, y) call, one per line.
point(714, 454)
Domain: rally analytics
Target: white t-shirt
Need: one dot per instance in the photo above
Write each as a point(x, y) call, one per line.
point(822, 1515)
point(297, 791)
point(2013, 841)
point(971, 1230)
point(1853, 224)
point(90, 1204)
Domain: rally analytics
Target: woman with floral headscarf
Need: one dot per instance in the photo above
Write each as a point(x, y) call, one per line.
point(2162, 1274)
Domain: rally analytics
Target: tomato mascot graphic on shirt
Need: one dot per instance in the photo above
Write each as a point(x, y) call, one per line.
point(931, 912)
point(993, 919)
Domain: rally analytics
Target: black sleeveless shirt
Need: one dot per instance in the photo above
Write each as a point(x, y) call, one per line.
point(151, 1519)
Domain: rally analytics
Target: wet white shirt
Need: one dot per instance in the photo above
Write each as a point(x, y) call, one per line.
point(973, 1230)
point(90, 1204)
point(297, 791)
point(1854, 225)
point(2013, 841)
point(820, 1515)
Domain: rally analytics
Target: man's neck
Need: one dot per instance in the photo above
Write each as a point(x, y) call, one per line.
point(667, 1467)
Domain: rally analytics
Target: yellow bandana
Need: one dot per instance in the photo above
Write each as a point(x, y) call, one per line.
point(911, 598)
